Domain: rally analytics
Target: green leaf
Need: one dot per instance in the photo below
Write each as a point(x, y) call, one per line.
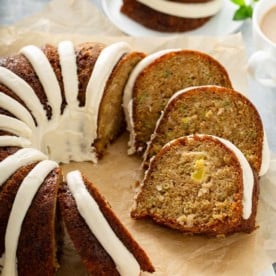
point(243, 12)
point(239, 2)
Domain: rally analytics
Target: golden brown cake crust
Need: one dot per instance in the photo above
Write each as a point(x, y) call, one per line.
point(51, 53)
point(6, 151)
point(38, 226)
point(158, 21)
point(7, 195)
point(120, 230)
point(95, 257)
point(10, 93)
point(19, 65)
point(37, 245)
point(86, 56)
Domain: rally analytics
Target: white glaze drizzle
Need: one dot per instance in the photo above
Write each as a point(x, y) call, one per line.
point(125, 262)
point(66, 137)
point(186, 10)
point(20, 158)
point(25, 92)
point(68, 65)
point(14, 141)
point(127, 97)
point(17, 109)
point(69, 138)
point(108, 59)
point(15, 126)
point(266, 156)
point(72, 136)
point(22, 202)
point(46, 76)
point(247, 178)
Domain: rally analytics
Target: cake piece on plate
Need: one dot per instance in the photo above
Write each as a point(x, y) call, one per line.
point(103, 243)
point(155, 79)
point(199, 184)
point(171, 16)
point(216, 111)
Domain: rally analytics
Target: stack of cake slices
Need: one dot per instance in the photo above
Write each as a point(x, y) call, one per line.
point(203, 145)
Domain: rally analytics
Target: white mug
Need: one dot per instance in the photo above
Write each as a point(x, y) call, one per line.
point(262, 64)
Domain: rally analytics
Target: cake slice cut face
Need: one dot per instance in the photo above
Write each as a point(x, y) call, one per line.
point(199, 185)
point(215, 111)
point(155, 79)
point(111, 121)
point(103, 243)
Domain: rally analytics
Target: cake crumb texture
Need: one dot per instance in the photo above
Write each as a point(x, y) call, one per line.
point(165, 76)
point(194, 185)
point(215, 111)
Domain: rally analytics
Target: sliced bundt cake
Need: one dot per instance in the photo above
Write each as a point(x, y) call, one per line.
point(171, 16)
point(216, 111)
point(29, 236)
point(155, 79)
point(200, 185)
point(66, 102)
point(104, 244)
point(61, 101)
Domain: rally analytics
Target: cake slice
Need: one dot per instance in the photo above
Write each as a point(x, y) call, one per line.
point(171, 16)
point(101, 91)
point(111, 119)
point(199, 184)
point(29, 232)
point(155, 79)
point(216, 111)
point(103, 243)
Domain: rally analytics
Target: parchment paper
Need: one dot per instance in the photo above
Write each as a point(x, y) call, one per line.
point(172, 253)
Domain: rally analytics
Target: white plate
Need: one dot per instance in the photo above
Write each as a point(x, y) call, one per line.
point(220, 24)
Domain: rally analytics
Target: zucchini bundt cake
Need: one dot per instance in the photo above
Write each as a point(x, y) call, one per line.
point(172, 15)
point(65, 103)
point(199, 184)
point(58, 103)
point(216, 111)
point(155, 79)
